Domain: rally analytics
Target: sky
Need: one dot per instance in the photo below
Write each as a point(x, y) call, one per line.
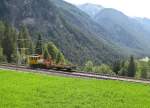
point(133, 8)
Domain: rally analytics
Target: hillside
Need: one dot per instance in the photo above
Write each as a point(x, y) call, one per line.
point(124, 30)
point(130, 34)
point(65, 25)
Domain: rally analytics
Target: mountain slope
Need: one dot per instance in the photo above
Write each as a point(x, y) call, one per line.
point(130, 34)
point(65, 25)
point(124, 31)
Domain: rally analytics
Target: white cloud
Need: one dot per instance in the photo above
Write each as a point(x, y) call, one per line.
point(139, 8)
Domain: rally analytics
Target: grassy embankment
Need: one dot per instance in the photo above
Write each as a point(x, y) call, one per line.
point(28, 90)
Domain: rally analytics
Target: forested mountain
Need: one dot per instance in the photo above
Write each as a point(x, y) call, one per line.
point(73, 31)
point(129, 33)
point(125, 31)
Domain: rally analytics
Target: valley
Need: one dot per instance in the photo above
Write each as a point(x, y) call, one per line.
point(54, 54)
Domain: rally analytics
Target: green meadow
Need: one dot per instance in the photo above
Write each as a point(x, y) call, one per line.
point(30, 90)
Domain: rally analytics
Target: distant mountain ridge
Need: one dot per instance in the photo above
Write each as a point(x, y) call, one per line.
point(90, 9)
point(128, 33)
point(145, 22)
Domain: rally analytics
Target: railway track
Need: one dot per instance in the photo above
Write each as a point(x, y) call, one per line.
point(73, 74)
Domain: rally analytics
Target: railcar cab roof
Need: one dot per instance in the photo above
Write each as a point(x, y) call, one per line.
point(35, 55)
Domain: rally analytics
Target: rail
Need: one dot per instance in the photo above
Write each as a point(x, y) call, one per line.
point(77, 74)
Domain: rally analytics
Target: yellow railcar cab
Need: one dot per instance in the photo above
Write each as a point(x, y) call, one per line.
point(35, 59)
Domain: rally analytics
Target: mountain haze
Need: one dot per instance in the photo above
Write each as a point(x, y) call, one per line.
point(90, 9)
point(145, 22)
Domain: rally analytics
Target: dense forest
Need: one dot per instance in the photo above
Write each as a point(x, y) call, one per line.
point(131, 67)
point(16, 45)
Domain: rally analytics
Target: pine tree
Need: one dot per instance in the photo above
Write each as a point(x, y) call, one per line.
point(14, 39)
point(26, 36)
point(1, 54)
point(7, 43)
point(46, 54)
point(116, 66)
point(123, 71)
point(60, 58)
point(39, 46)
point(24, 41)
point(2, 29)
point(53, 51)
point(131, 67)
point(88, 66)
point(144, 69)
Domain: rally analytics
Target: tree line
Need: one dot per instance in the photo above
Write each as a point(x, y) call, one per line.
point(129, 68)
point(17, 44)
point(49, 51)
